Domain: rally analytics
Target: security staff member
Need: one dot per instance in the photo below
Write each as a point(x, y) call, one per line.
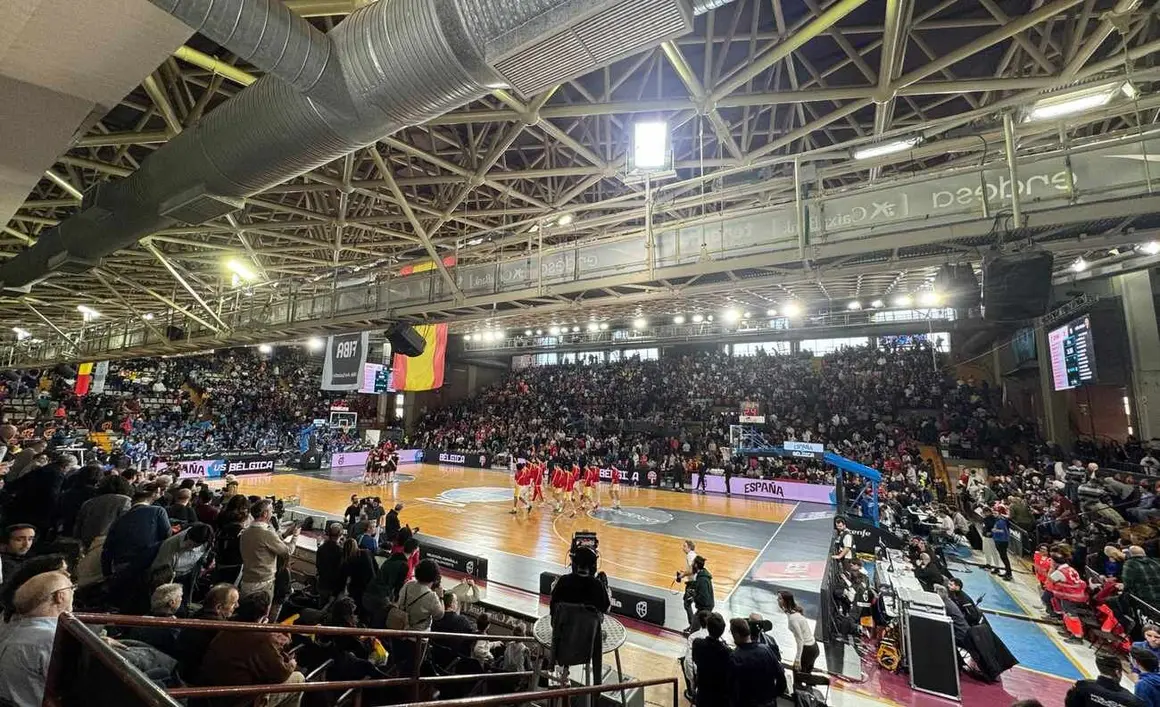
point(1104, 691)
point(844, 545)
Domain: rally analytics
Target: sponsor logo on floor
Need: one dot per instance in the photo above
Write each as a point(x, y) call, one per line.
point(632, 515)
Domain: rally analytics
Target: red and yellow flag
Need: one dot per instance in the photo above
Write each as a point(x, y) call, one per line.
point(425, 371)
point(425, 265)
point(84, 379)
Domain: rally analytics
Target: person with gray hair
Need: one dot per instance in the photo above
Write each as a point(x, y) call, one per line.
point(163, 604)
point(26, 649)
point(1141, 576)
point(958, 620)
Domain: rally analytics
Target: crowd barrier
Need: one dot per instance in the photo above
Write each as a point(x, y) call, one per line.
point(769, 488)
point(451, 559)
point(474, 460)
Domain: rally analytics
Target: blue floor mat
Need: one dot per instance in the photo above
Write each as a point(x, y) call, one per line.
point(1033, 648)
point(981, 583)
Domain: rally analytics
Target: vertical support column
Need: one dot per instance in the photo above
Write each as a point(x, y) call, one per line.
point(1012, 169)
point(1135, 291)
point(1054, 424)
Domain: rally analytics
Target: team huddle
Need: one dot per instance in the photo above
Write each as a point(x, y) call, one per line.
point(574, 489)
point(382, 463)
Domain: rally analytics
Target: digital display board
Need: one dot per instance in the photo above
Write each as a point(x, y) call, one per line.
point(1073, 355)
point(376, 379)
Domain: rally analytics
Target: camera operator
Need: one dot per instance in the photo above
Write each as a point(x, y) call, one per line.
point(756, 676)
point(580, 587)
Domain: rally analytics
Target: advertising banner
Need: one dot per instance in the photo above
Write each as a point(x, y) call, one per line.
point(345, 356)
point(633, 478)
point(251, 465)
point(454, 560)
point(475, 460)
point(343, 459)
point(769, 488)
point(638, 607)
point(196, 468)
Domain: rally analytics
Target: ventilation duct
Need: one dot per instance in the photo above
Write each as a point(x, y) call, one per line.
point(388, 65)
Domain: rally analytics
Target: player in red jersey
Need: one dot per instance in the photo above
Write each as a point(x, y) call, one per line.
point(615, 491)
point(559, 483)
point(591, 487)
point(519, 486)
point(537, 483)
point(571, 490)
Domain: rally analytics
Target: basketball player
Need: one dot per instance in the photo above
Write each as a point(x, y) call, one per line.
point(537, 484)
point(571, 491)
point(592, 487)
point(383, 456)
point(559, 483)
point(615, 489)
point(690, 549)
point(519, 480)
point(392, 465)
point(370, 477)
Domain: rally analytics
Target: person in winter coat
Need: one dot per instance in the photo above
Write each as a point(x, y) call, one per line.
point(1066, 592)
point(698, 593)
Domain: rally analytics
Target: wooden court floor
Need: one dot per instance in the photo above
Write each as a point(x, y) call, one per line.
point(472, 506)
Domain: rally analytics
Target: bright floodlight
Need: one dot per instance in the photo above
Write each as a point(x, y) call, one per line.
point(575, 330)
point(603, 326)
point(554, 331)
point(88, 312)
point(639, 323)
point(730, 316)
point(241, 269)
point(854, 305)
point(1079, 265)
point(791, 309)
point(265, 349)
point(679, 319)
point(930, 298)
point(566, 220)
point(148, 316)
point(886, 148)
point(877, 304)
point(315, 343)
point(771, 312)
point(1150, 248)
point(650, 145)
point(21, 334)
point(593, 326)
point(1074, 102)
point(697, 319)
point(527, 332)
point(903, 301)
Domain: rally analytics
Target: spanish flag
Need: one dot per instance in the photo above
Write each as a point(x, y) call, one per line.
point(425, 265)
point(425, 371)
point(84, 379)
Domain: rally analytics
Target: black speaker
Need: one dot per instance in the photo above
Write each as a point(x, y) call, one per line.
point(1017, 286)
point(958, 283)
point(174, 333)
point(405, 340)
point(65, 371)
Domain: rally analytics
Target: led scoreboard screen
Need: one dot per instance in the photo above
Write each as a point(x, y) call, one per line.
point(1073, 355)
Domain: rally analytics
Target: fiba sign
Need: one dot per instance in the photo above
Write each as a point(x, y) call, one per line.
point(346, 355)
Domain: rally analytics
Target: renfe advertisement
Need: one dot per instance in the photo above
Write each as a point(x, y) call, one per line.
point(769, 488)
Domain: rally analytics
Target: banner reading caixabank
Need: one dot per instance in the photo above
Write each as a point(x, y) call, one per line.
point(345, 356)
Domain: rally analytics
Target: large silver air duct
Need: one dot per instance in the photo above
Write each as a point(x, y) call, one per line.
point(388, 65)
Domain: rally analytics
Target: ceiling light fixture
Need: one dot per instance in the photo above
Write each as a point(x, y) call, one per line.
point(791, 309)
point(593, 326)
point(241, 269)
point(88, 312)
point(1150, 248)
point(730, 316)
point(771, 312)
point(1073, 102)
point(527, 332)
point(697, 319)
point(315, 343)
point(639, 323)
point(877, 304)
point(265, 349)
point(930, 298)
point(21, 334)
point(1079, 265)
point(886, 148)
point(650, 145)
point(679, 319)
point(565, 220)
point(148, 316)
point(603, 326)
point(854, 305)
point(903, 301)
point(554, 331)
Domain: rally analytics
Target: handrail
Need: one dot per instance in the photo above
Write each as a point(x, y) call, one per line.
point(74, 626)
point(158, 622)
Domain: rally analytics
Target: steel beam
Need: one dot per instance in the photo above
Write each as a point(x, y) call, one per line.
point(184, 283)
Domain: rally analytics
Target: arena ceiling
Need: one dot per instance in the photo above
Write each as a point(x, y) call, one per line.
point(759, 86)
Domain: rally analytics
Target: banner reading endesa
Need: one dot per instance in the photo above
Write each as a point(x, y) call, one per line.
point(345, 356)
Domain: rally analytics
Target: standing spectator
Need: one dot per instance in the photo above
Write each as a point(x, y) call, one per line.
point(392, 524)
point(712, 658)
point(328, 561)
point(385, 587)
point(83, 488)
point(180, 511)
point(699, 593)
point(15, 542)
point(358, 569)
point(206, 511)
point(1105, 690)
point(32, 498)
point(368, 539)
point(133, 539)
point(98, 514)
point(756, 678)
point(1141, 575)
point(806, 645)
point(262, 550)
point(252, 658)
point(26, 642)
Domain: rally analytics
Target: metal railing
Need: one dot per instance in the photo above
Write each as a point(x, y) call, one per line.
point(86, 670)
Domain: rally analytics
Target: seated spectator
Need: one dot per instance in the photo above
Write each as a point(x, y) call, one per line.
point(31, 567)
point(515, 653)
point(1148, 686)
point(97, 515)
point(712, 659)
point(927, 572)
point(219, 605)
point(1105, 690)
point(252, 658)
point(1151, 640)
point(180, 512)
point(15, 542)
point(755, 677)
point(26, 642)
point(481, 649)
point(163, 604)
